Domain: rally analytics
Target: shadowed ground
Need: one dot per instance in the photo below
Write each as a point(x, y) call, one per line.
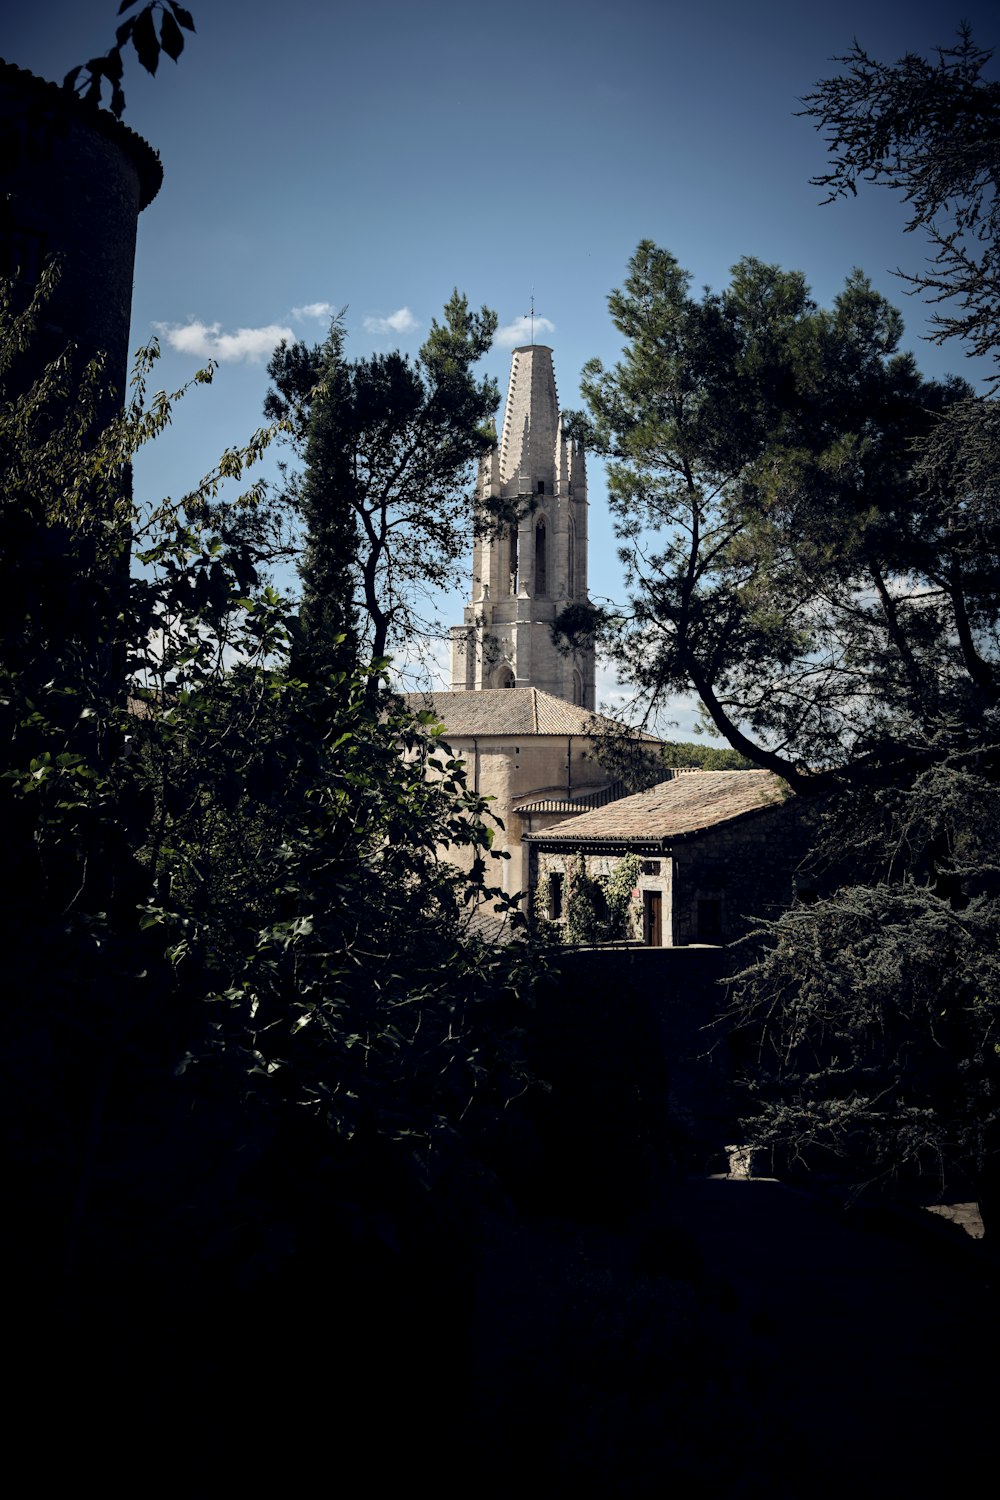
point(750, 1340)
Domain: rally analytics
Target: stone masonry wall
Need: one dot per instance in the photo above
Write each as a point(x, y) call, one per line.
point(749, 867)
point(506, 767)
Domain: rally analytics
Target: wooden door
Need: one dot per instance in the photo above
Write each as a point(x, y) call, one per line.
point(652, 918)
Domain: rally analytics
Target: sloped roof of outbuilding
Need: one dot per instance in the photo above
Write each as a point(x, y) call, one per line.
point(674, 809)
point(517, 711)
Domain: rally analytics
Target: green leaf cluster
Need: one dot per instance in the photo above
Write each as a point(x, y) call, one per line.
point(139, 31)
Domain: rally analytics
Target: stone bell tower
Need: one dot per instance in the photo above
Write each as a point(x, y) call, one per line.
point(528, 569)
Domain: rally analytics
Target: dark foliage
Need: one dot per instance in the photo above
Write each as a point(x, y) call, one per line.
point(139, 31)
point(929, 129)
point(875, 1009)
point(248, 1036)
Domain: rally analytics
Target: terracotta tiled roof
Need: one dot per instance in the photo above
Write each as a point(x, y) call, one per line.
point(510, 711)
point(533, 804)
point(487, 925)
point(551, 799)
point(672, 809)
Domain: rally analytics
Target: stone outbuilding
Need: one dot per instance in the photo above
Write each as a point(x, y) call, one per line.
point(716, 850)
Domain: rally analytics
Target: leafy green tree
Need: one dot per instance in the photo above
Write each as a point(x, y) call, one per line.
point(783, 559)
point(875, 1010)
point(388, 446)
point(811, 531)
point(243, 1006)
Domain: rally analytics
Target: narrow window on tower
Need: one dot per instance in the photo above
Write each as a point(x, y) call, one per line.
point(540, 579)
point(513, 559)
point(571, 561)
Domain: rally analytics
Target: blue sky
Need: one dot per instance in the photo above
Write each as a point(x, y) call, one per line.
point(377, 155)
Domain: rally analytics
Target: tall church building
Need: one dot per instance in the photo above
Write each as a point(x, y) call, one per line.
point(526, 572)
point(531, 751)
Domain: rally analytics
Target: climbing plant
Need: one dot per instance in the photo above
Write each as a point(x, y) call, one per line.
point(586, 905)
point(618, 893)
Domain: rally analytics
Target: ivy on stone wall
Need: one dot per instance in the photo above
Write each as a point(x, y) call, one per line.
point(586, 905)
point(597, 907)
point(618, 893)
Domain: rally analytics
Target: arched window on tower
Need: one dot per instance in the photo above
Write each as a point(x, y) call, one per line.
point(504, 676)
point(512, 552)
point(541, 581)
point(571, 560)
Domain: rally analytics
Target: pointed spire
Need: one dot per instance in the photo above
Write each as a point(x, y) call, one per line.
point(531, 420)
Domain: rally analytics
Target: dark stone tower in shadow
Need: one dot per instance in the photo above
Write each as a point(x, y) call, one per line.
point(73, 181)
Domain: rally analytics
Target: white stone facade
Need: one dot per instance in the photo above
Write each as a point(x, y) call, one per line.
point(532, 755)
point(529, 568)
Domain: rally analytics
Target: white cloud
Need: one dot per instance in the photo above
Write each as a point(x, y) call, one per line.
point(207, 341)
point(401, 321)
point(318, 310)
point(521, 331)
